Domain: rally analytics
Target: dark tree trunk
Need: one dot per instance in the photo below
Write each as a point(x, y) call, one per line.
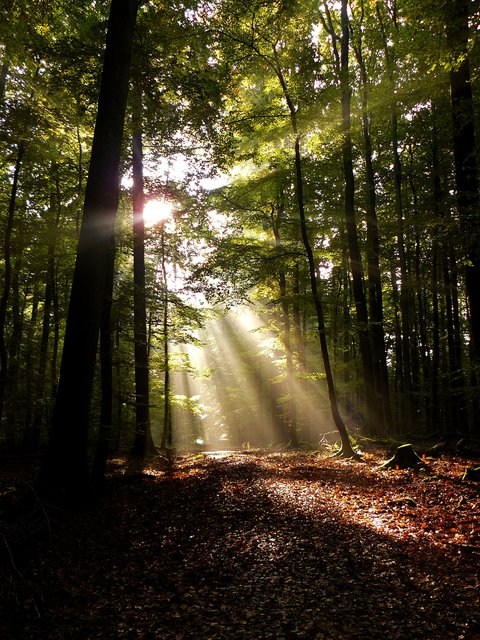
point(41, 399)
point(340, 425)
point(398, 373)
point(143, 444)
point(420, 355)
point(166, 442)
point(106, 379)
point(438, 209)
point(29, 380)
point(375, 296)
point(373, 415)
point(346, 449)
point(65, 472)
point(12, 410)
point(466, 172)
point(405, 301)
point(297, 318)
point(291, 426)
point(56, 338)
point(7, 277)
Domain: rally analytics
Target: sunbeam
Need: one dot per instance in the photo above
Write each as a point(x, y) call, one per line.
point(232, 392)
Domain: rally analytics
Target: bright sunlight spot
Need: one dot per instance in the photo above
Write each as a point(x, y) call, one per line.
point(157, 211)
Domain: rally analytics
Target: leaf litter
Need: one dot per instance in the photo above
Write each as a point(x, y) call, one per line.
point(255, 545)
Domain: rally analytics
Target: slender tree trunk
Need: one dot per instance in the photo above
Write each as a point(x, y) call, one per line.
point(65, 473)
point(398, 374)
point(56, 338)
point(420, 355)
point(80, 180)
point(373, 406)
point(405, 293)
point(452, 409)
point(143, 444)
point(118, 387)
point(166, 442)
point(297, 318)
point(340, 425)
point(375, 295)
point(7, 278)
point(12, 411)
point(346, 449)
point(106, 380)
point(29, 380)
point(287, 340)
point(41, 399)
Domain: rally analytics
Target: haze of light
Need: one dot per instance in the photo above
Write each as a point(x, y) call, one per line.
point(157, 212)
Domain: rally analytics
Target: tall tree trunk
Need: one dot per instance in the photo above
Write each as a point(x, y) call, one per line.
point(456, 405)
point(346, 449)
point(291, 426)
point(405, 293)
point(373, 415)
point(466, 171)
point(143, 444)
point(166, 442)
point(340, 425)
point(29, 379)
point(65, 472)
point(7, 278)
point(375, 295)
point(438, 210)
point(41, 400)
point(420, 355)
point(297, 319)
point(12, 411)
point(106, 379)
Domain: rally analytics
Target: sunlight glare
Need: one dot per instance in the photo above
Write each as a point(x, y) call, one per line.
point(157, 212)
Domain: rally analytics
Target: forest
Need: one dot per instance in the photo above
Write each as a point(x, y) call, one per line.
point(240, 252)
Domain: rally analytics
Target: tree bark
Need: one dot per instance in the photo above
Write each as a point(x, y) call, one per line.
point(65, 473)
point(466, 171)
point(291, 427)
point(106, 381)
point(405, 298)
point(375, 296)
point(41, 400)
point(374, 417)
point(166, 442)
point(143, 444)
point(7, 278)
point(346, 448)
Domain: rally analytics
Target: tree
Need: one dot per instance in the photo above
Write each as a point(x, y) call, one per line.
point(374, 418)
point(143, 439)
point(466, 171)
point(65, 473)
point(375, 293)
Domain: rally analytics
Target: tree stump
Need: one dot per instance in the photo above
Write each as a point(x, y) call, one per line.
point(404, 458)
point(472, 474)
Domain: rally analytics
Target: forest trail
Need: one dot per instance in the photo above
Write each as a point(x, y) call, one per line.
point(254, 545)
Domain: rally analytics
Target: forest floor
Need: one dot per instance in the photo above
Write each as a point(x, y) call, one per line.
point(250, 545)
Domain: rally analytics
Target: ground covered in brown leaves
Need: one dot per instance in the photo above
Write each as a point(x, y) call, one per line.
point(254, 545)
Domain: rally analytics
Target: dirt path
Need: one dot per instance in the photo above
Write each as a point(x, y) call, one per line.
point(258, 546)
